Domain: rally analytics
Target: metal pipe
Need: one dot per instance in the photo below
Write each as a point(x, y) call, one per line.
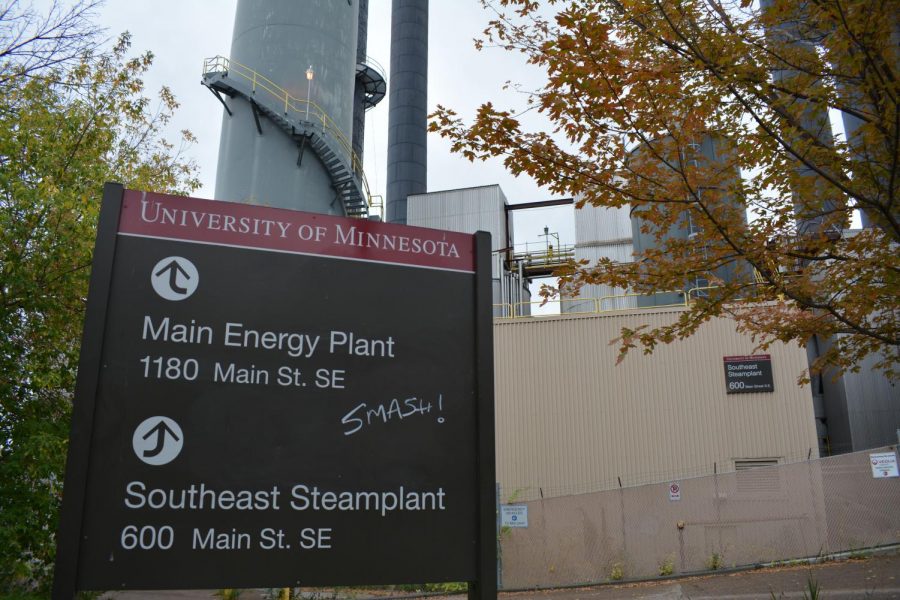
point(359, 94)
point(500, 281)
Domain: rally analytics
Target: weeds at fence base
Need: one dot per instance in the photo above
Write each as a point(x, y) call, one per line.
point(667, 566)
point(715, 562)
point(350, 592)
point(813, 590)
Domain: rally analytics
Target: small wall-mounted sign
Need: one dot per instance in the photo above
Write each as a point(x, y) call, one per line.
point(748, 374)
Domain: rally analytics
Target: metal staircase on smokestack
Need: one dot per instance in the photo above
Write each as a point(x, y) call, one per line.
point(306, 123)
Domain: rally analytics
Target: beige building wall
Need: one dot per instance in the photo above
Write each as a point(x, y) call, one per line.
point(570, 421)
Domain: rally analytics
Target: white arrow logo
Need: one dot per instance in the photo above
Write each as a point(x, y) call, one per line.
point(174, 278)
point(157, 440)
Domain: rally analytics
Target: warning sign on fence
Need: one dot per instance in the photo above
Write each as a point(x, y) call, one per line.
point(884, 464)
point(514, 515)
point(674, 492)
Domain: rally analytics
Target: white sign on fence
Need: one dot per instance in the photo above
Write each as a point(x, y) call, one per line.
point(674, 491)
point(514, 515)
point(884, 464)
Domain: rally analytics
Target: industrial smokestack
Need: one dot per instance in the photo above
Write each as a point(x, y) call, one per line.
point(288, 91)
point(407, 158)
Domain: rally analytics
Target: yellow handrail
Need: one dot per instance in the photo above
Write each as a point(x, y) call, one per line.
point(300, 106)
point(505, 309)
point(589, 306)
point(376, 202)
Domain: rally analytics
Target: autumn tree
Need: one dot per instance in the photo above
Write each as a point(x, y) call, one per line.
point(71, 118)
point(633, 86)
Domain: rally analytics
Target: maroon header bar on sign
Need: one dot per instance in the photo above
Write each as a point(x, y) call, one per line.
point(246, 226)
point(745, 358)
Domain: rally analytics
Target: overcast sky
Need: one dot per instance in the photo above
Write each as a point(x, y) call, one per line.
point(181, 34)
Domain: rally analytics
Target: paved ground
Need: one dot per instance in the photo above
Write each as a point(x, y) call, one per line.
point(876, 578)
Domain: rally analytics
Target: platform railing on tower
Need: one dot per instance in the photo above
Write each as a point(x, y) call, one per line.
point(270, 95)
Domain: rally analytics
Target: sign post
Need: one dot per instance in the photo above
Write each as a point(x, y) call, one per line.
point(273, 398)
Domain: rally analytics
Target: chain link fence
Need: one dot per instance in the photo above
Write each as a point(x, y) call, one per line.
point(759, 515)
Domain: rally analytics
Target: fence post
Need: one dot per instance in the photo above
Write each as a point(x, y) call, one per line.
point(622, 515)
point(499, 549)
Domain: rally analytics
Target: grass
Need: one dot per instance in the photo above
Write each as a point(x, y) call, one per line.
point(813, 590)
point(667, 566)
point(715, 562)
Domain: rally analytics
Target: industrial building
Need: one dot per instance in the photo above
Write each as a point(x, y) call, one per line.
point(569, 420)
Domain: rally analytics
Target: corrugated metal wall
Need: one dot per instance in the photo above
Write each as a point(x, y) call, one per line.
point(594, 223)
point(873, 406)
point(601, 233)
point(465, 210)
point(594, 298)
point(570, 421)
